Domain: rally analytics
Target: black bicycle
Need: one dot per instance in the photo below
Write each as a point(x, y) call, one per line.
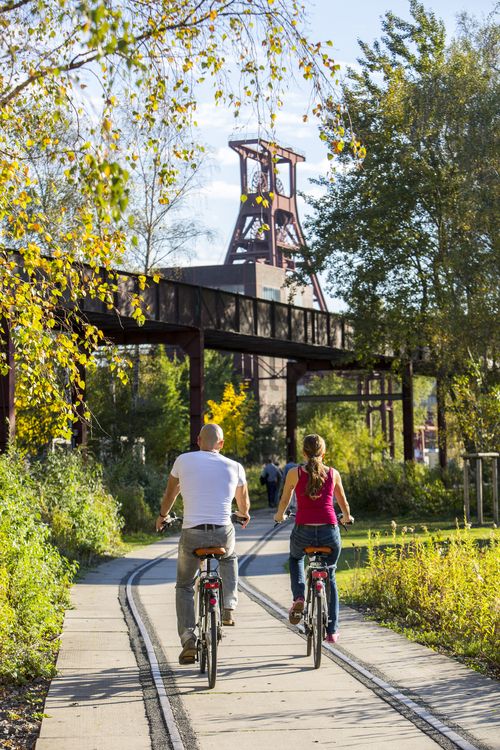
point(317, 602)
point(318, 594)
point(209, 605)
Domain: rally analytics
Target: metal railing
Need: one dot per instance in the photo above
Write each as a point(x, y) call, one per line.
point(189, 305)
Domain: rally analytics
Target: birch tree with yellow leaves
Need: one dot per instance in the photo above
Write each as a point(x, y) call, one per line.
point(65, 68)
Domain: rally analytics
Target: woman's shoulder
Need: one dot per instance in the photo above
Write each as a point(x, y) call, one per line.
point(333, 471)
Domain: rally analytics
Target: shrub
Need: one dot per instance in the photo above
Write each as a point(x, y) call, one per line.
point(129, 471)
point(443, 593)
point(83, 517)
point(399, 489)
point(34, 578)
point(136, 512)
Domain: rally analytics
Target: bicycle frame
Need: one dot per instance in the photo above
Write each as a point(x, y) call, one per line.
point(316, 604)
point(210, 597)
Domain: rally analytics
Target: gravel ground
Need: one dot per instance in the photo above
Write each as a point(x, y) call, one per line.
point(21, 713)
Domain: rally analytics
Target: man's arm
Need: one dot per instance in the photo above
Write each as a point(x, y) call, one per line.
point(291, 480)
point(169, 496)
point(243, 502)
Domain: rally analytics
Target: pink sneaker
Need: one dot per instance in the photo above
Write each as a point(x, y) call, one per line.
point(295, 611)
point(332, 638)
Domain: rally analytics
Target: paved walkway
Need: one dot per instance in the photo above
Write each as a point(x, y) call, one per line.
point(267, 695)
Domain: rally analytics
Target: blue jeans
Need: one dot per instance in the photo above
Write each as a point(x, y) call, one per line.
point(315, 536)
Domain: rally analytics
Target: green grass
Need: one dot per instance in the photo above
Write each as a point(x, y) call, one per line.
point(138, 539)
point(437, 583)
point(356, 540)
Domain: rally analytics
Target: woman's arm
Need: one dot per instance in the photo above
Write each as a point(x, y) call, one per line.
point(291, 480)
point(341, 499)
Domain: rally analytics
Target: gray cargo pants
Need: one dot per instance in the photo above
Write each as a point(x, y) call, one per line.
point(187, 567)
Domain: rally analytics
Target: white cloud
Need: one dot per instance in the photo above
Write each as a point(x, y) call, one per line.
point(220, 189)
point(226, 157)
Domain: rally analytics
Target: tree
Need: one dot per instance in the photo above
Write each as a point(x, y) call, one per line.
point(65, 66)
point(410, 238)
point(232, 414)
point(342, 425)
point(161, 416)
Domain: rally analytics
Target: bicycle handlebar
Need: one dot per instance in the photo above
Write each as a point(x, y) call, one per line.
point(288, 514)
point(173, 519)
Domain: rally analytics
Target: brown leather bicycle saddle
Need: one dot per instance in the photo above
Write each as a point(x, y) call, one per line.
point(209, 552)
point(317, 550)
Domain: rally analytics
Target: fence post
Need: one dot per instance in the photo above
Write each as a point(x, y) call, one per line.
point(466, 491)
point(479, 490)
point(494, 481)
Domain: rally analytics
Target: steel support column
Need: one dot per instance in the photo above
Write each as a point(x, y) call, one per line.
point(294, 371)
point(80, 427)
point(408, 422)
point(7, 383)
point(441, 424)
point(193, 345)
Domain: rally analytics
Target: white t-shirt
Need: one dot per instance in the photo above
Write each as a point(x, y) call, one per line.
point(208, 483)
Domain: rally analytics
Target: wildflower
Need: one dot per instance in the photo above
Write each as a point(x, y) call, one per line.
point(425, 529)
point(475, 567)
point(394, 525)
point(411, 529)
point(404, 529)
point(468, 526)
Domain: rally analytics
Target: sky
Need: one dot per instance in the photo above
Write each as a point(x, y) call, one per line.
point(344, 23)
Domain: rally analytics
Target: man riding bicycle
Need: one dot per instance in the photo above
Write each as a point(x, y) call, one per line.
point(208, 483)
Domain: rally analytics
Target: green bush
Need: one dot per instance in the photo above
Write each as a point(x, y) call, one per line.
point(441, 592)
point(34, 578)
point(401, 489)
point(136, 513)
point(129, 471)
point(83, 517)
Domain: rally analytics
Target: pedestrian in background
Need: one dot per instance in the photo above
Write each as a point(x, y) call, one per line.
point(271, 477)
point(293, 500)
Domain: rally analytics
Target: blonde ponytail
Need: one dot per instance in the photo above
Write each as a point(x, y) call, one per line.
point(314, 447)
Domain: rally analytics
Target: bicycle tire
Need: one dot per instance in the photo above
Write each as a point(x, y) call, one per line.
point(211, 647)
point(307, 623)
point(202, 654)
point(317, 628)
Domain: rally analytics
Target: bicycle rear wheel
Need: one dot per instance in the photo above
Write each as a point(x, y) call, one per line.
point(308, 615)
point(211, 636)
point(201, 645)
point(317, 629)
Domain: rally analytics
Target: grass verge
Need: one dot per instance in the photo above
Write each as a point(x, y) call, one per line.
point(436, 584)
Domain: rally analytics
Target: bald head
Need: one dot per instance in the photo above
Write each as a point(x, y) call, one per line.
point(211, 437)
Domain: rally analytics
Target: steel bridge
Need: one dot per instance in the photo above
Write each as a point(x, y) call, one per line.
point(195, 317)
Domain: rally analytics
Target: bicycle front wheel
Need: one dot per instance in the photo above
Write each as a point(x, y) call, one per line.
point(317, 628)
point(211, 647)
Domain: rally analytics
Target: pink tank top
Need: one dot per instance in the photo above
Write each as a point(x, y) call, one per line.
point(319, 510)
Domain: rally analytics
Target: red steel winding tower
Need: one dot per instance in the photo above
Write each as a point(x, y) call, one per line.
point(267, 228)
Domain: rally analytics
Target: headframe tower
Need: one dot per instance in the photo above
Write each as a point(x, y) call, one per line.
point(268, 229)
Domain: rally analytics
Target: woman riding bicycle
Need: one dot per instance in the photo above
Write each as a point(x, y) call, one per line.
point(316, 486)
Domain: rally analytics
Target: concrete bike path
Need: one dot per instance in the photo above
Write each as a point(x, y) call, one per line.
point(458, 695)
point(96, 701)
point(267, 694)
